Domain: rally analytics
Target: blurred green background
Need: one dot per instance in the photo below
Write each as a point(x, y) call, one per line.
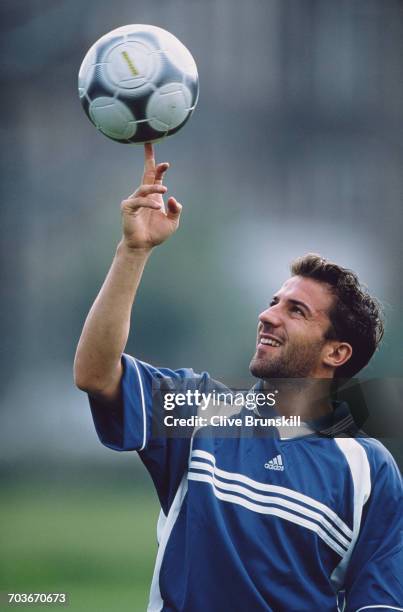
point(296, 146)
point(97, 542)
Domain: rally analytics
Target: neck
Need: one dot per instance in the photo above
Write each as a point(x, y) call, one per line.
point(308, 398)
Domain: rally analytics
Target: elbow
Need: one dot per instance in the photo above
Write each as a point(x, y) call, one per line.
point(84, 383)
point(81, 383)
point(95, 382)
point(82, 379)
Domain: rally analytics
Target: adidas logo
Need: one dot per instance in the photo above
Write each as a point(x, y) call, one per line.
point(275, 464)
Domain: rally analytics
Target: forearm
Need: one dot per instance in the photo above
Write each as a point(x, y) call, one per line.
point(97, 366)
point(145, 224)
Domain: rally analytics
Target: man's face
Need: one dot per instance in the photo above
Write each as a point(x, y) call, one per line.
point(291, 331)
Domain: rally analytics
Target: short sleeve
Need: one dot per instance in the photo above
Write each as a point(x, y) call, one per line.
point(375, 575)
point(127, 426)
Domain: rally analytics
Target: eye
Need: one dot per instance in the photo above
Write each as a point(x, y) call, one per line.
point(297, 310)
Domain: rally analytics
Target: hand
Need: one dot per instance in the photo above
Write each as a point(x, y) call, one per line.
point(145, 221)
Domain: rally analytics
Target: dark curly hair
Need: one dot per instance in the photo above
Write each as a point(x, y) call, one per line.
point(355, 317)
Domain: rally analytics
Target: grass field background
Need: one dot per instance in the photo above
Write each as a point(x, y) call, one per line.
point(96, 543)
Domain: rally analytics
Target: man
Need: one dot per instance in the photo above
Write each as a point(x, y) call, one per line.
point(272, 522)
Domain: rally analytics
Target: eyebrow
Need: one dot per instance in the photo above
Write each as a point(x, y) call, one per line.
point(295, 303)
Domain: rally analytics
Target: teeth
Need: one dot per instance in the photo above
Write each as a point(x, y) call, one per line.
point(269, 341)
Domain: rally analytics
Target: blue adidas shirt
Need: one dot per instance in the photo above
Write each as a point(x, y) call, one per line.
point(263, 523)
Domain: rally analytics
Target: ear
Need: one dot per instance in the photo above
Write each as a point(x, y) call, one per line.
point(337, 353)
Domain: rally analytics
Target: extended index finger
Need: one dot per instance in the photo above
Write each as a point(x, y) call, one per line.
point(149, 164)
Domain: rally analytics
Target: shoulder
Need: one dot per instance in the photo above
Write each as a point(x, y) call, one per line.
point(385, 475)
point(167, 379)
point(132, 363)
point(372, 467)
point(378, 455)
point(165, 376)
point(369, 449)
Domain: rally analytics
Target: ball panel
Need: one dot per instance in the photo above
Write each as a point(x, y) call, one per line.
point(99, 86)
point(168, 72)
point(193, 86)
point(104, 44)
point(86, 73)
point(130, 65)
point(179, 55)
point(112, 118)
point(168, 107)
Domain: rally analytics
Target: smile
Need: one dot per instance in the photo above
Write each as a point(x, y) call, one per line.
point(269, 342)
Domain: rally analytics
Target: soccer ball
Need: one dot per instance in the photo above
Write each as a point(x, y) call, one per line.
point(138, 84)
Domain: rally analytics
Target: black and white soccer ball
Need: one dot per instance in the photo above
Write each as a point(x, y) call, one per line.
point(138, 84)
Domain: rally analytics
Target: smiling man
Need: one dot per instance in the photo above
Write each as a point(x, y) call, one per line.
point(295, 327)
point(303, 520)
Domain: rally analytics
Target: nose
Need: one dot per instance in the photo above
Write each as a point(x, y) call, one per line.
point(271, 316)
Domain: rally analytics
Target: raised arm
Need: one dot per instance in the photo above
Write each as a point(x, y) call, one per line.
point(145, 223)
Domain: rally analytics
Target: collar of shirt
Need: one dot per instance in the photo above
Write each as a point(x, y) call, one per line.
point(339, 422)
